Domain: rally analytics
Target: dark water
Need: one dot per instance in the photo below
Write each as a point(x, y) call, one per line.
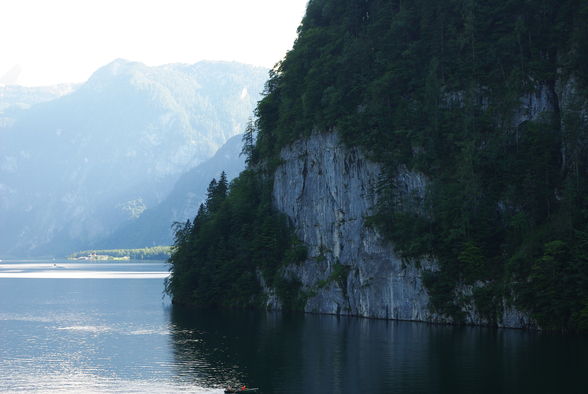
point(106, 328)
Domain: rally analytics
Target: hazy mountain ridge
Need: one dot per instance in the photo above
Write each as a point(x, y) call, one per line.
point(154, 226)
point(74, 168)
point(22, 97)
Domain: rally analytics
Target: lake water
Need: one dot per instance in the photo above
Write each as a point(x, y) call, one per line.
point(106, 327)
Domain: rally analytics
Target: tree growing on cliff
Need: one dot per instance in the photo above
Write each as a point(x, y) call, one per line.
point(235, 237)
point(249, 143)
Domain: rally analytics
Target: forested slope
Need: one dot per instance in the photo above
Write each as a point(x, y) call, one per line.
point(488, 100)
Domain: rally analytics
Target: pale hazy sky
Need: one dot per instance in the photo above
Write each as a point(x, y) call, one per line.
point(51, 41)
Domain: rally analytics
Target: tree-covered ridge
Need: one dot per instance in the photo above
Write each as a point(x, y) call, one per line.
point(236, 240)
point(488, 99)
point(383, 70)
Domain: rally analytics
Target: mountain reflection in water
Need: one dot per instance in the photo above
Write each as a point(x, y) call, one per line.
point(296, 353)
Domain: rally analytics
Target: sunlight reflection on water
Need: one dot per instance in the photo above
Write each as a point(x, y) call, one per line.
point(68, 270)
point(86, 382)
point(75, 327)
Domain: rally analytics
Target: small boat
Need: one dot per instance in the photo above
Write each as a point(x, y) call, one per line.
point(230, 390)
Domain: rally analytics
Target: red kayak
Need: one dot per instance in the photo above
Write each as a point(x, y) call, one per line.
point(241, 390)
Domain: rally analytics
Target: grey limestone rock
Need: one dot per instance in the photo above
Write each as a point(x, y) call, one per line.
point(328, 190)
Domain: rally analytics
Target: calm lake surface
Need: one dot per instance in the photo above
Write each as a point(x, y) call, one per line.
point(106, 327)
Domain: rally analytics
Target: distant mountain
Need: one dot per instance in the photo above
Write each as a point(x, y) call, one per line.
point(154, 226)
point(22, 97)
point(73, 169)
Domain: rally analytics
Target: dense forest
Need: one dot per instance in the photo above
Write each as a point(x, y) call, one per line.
point(489, 100)
point(236, 241)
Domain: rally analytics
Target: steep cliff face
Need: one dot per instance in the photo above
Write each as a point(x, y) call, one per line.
point(329, 191)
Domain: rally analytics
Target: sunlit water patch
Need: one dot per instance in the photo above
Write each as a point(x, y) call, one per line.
point(70, 270)
point(84, 382)
point(89, 327)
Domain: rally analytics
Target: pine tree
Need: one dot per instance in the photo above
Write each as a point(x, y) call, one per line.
point(249, 143)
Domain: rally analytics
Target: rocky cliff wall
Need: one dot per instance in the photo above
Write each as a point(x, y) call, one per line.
point(328, 190)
